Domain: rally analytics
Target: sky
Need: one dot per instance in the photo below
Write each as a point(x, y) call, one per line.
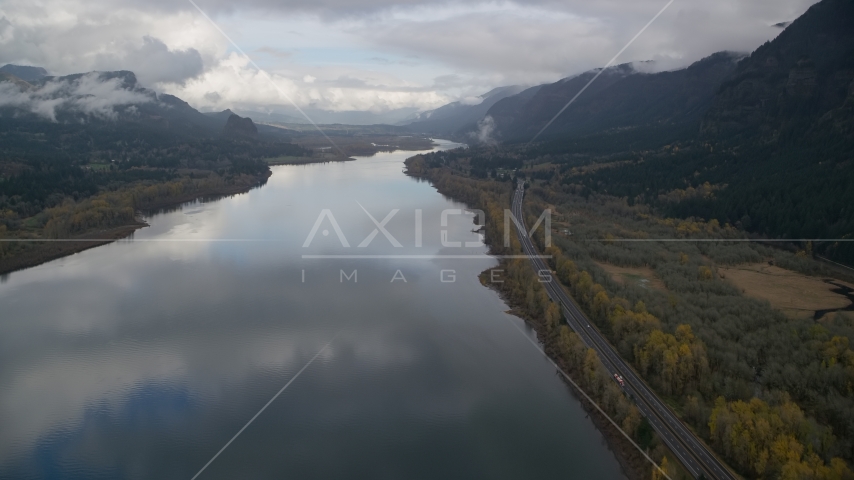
point(369, 55)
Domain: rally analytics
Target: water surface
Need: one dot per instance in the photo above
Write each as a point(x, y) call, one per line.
point(142, 358)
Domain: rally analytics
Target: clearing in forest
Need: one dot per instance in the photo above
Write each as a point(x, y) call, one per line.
point(640, 276)
point(795, 294)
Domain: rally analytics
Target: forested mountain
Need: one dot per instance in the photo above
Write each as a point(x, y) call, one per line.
point(97, 98)
point(621, 98)
point(505, 111)
point(106, 111)
point(772, 154)
point(763, 142)
point(458, 115)
point(783, 127)
point(793, 88)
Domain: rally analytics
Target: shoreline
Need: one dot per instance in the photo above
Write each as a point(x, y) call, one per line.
point(633, 465)
point(296, 161)
point(47, 251)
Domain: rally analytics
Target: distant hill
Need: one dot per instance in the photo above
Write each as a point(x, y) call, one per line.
point(221, 117)
point(285, 115)
point(29, 74)
point(95, 98)
point(457, 115)
point(22, 85)
point(264, 117)
point(240, 127)
point(106, 99)
point(107, 117)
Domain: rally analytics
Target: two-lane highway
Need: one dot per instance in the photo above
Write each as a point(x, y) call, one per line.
point(693, 453)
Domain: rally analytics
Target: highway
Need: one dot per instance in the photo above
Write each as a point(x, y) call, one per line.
point(692, 452)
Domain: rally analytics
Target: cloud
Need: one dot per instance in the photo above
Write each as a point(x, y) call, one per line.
point(239, 85)
point(75, 36)
point(7, 32)
point(154, 62)
point(534, 42)
point(386, 61)
point(485, 129)
point(463, 48)
point(275, 52)
point(90, 94)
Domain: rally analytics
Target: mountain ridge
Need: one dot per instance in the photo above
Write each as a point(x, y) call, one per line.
point(24, 72)
point(622, 97)
point(454, 116)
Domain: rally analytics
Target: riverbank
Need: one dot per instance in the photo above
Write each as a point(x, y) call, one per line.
point(46, 250)
point(36, 248)
point(527, 299)
point(633, 464)
point(321, 158)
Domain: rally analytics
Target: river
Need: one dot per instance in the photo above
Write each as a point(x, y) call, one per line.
point(144, 357)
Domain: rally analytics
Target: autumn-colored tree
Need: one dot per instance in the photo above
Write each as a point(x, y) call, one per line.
point(626, 322)
point(552, 316)
point(771, 441)
point(675, 362)
point(658, 473)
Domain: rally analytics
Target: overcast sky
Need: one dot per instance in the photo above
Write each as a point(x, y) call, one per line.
point(370, 54)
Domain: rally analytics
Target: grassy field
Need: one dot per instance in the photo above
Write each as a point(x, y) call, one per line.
point(795, 294)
